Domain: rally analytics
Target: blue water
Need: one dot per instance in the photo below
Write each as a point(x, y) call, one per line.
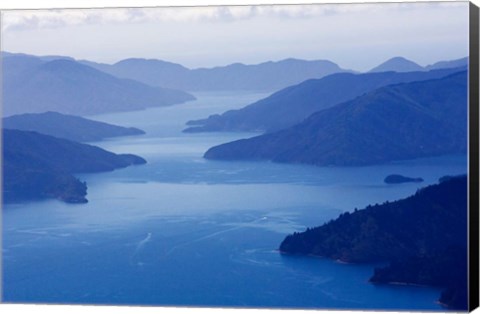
point(182, 230)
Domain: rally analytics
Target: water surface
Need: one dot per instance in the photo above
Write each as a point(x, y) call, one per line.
point(182, 230)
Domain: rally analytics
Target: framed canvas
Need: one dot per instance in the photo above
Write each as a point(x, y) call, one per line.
point(319, 156)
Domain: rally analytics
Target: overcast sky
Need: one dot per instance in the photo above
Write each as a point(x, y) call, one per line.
point(355, 36)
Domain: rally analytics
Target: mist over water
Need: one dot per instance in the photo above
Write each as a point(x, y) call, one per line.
point(182, 230)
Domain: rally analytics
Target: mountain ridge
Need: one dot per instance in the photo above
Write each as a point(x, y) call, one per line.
point(38, 166)
point(67, 126)
point(293, 104)
point(32, 85)
point(395, 122)
point(401, 64)
point(265, 76)
point(397, 64)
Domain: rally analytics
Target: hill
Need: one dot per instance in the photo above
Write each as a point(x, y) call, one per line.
point(67, 126)
point(293, 104)
point(400, 64)
point(148, 71)
point(395, 122)
point(33, 85)
point(37, 166)
point(423, 237)
point(448, 64)
point(397, 64)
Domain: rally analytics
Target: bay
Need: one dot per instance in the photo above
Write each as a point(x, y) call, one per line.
point(186, 231)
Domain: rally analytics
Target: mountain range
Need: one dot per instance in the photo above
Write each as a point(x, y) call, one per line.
point(395, 122)
point(33, 85)
point(65, 85)
point(293, 104)
point(37, 166)
point(67, 126)
point(267, 76)
point(400, 64)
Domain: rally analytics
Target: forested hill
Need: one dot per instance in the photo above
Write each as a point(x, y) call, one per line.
point(396, 122)
point(37, 166)
point(293, 104)
point(424, 237)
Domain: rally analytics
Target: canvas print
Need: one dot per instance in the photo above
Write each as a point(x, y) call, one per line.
point(264, 156)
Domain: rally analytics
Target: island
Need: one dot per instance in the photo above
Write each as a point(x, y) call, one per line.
point(397, 179)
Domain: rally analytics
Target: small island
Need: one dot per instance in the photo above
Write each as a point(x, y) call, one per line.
point(397, 179)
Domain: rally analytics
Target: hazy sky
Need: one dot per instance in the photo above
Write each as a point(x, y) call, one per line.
point(355, 36)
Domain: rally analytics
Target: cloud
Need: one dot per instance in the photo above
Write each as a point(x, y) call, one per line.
point(45, 19)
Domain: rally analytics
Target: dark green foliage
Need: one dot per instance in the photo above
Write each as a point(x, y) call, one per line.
point(434, 218)
point(66, 126)
point(397, 122)
point(444, 268)
point(424, 237)
point(31, 182)
point(40, 166)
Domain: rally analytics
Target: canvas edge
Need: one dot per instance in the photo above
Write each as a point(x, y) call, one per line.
point(1, 158)
point(473, 288)
point(473, 171)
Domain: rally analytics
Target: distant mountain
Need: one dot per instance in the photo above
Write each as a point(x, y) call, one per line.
point(400, 64)
point(397, 64)
point(53, 57)
point(448, 64)
point(5, 54)
point(424, 237)
point(67, 126)
point(37, 166)
point(293, 104)
point(32, 85)
point(16, 67)
point(267, 76)
point(43, 58)
point(149, 71)
point(396, 122)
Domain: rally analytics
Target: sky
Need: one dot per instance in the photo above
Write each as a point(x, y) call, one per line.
point(355, 36)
